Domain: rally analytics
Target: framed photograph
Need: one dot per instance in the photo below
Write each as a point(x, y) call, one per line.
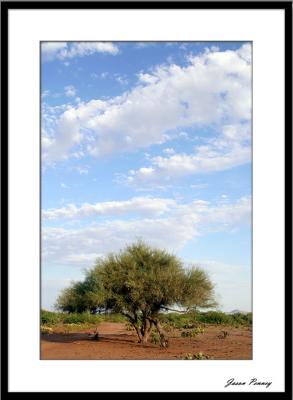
point(146, 197)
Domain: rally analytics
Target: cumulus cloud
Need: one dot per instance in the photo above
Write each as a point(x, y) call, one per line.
point(213, 89)
point(168, 224)
point(66, 134)
point(60, 244)
point(230, 149)
point(68, 50)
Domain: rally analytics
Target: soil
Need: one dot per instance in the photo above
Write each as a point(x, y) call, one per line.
point(117, 343)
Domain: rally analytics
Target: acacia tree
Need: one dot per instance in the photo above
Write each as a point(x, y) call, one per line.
point(139, 282)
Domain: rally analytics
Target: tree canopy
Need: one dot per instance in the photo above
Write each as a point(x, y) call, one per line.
point(139, 282)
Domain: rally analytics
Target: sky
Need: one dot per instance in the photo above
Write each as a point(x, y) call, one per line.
point(151, 141)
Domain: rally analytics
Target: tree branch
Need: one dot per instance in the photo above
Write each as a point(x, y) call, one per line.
point(172, 309)
point(128, 316)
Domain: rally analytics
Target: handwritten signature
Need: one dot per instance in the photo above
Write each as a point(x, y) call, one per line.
point(253, 381)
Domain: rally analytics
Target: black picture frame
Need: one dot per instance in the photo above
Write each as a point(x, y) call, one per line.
point(221, 5)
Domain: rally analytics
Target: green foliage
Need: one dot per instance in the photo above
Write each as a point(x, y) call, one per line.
point(129, 326)
point(75, 318)
point(197, 290)
point(139, 280)
point(178, 320)
point(193, 319)
point(167, 327)
point(46, 330)
point(82, 296)
point(155, 338)
point(214, 317)
point(49, 318)
point(220, 318)
point(192, 333)
point(197, 356)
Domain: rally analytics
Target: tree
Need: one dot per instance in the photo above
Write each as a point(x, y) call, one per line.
point(139, 282)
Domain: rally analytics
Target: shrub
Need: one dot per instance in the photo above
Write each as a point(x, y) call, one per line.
point(192, 333)
point(223, 335)
point(129, 326)
point(197, 356)
point(53, 318)
point(50, 318)
point(46, 330)
point(155, 338)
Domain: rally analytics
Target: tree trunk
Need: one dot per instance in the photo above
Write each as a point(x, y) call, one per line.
point(138, 332)
point(147, 329)
point(134, 323)
point(163, 337)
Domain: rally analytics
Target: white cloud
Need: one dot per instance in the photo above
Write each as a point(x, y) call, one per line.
point(103, 75)
point(45, 93)
point(65, 136)
point(169, 150)
point(169, 225)
point(226, 216)
point(183, 135)
point(70, 91)
point(223, 215)
point(122, 80)
point(225, 152)
point(137, 205)
point(213, 89)
point(147, 78)
point(60, 244)
point(68, 50)
point(50, 50)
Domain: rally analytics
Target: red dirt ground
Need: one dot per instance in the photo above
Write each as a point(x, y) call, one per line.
point(117, 343)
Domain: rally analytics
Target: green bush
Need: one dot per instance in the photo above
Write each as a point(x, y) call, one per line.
point(155, 338)
point(220, 318)
point(82, 318)
point(46, 330)
point(190, 320)
point(169, 321)
point(192, 333)
point(50, 318)
point(214, 317)
point(197, 356)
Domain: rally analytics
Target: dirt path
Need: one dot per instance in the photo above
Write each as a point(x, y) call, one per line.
point(116, 343)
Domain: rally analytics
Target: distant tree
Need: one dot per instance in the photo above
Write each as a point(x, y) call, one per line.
point(82, 296)
point(139, 282)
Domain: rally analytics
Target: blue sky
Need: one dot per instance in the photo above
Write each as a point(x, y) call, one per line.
point(151, 141)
